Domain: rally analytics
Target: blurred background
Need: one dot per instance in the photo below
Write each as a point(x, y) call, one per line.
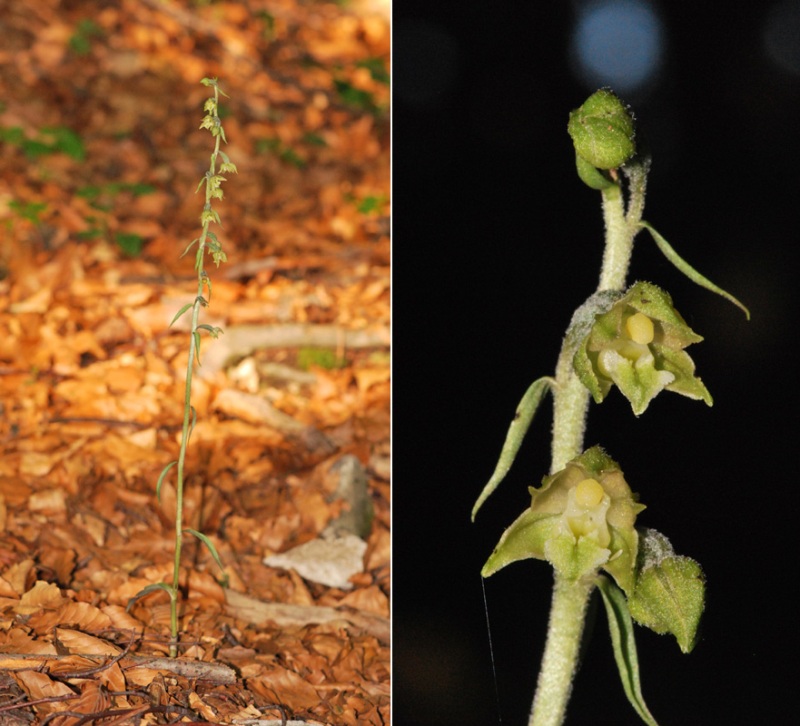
point(496, 242)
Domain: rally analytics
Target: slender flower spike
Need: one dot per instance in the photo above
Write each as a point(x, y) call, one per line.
point(638, 345)
point(580, 520)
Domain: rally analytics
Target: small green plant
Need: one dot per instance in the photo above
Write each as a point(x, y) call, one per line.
point(355, 97)
point(319, 358)
point(102, 198)
point(28, 210)
point(206, 243)
point(48, 140)
point(582, 519)
point(273, 145)
point(85, 32)
point(377, 69)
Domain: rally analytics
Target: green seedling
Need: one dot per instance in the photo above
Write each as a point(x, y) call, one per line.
point(273, 145)
point(582, 520)
point(354, 97)
point(319, 358)
point(376, 68)
point(102, 198)
point(85, 32)
point(28, 210)
point(48, 140)
point(206, 244)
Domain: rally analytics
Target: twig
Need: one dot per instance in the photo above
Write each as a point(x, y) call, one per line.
point(213, 672)
point(257, 612)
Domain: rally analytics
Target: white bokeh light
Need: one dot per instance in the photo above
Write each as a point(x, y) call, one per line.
point(617, 43)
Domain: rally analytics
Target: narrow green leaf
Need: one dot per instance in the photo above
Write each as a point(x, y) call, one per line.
point(189, 246)
point(688, 270)
point(164, 473)
point(516, 432)
point(622, 638)
point(208, 543)
point(196, 335)
point(173, 595)
point(180, 312)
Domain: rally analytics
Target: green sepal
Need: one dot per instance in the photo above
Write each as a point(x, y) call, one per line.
point(576, 541)
point(516, 432)
point(688, 270)
point(602, 130)
point(609, 356)
point(623, 641)
point(591, 176)
point(524, 539)
point(670, 591)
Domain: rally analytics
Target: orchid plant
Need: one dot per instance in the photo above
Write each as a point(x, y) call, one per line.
point(206, 243)
point(583, 517)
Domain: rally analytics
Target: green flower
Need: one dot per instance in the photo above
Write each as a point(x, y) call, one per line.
point(637, 344)
point(580, 520)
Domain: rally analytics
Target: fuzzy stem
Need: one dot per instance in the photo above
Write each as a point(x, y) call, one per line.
point(570, 405)
point(567, 619)
point(619, 241)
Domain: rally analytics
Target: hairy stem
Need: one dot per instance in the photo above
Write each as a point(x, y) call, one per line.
point(567, 619)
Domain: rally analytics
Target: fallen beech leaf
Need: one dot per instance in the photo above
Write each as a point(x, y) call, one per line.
point(40, 686)
point(42, 596)
point(281, 685)
point(330, 561)
point(77, 615)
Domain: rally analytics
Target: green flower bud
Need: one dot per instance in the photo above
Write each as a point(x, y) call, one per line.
point(602, 131)
point(637, 344)
point(580, 520)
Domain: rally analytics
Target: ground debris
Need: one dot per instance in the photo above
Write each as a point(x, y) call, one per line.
point(100, 154)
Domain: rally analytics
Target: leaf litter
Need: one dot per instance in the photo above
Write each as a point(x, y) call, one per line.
point(100, 154)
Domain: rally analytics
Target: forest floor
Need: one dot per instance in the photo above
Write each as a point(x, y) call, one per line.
point(100, 156)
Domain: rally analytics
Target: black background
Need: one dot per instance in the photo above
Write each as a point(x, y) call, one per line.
point(495, 243)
